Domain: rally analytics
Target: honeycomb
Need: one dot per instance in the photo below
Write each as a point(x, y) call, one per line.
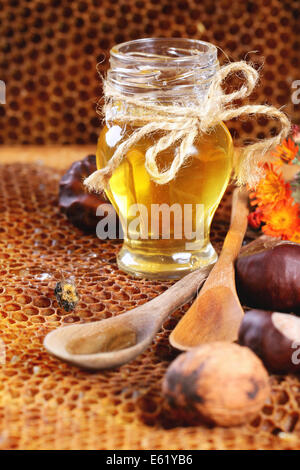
point(49, 51)
point(47, 404)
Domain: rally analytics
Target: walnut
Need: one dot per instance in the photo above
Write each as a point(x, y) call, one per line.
point(220, 383)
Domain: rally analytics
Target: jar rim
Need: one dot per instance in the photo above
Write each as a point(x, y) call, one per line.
point(194, 52)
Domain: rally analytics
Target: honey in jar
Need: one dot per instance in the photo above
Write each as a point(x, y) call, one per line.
point(166, 226)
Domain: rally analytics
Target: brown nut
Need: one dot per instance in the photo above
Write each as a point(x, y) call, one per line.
point(270, 278)
point(77, 203)
point(222, 383)
point(274, 337)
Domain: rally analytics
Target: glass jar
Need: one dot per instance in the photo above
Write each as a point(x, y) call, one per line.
point(166, 226)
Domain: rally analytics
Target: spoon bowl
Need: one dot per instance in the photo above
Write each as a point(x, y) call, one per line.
point(216, 314)
point(86, 345)
point(220, 322)
point(117, 340)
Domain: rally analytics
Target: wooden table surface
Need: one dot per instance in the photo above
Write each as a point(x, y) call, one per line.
point(57, 156)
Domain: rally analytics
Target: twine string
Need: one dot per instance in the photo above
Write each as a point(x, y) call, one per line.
point(183, 124)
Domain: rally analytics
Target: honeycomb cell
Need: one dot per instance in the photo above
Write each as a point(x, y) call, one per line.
point(126, 400)
point(44, 403)
point(63, 42)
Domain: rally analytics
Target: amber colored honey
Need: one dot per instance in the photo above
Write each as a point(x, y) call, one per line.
point(202, 180)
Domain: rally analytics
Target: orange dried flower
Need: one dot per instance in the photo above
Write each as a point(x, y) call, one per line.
point(295, 237)
point(286, 152)
point(277, 204)
point(281, 220)
point(255, 218)
point(271, 189)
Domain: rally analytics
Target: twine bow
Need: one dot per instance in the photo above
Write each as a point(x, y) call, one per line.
point(183, 124)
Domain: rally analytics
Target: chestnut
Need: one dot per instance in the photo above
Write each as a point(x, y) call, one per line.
point(79, 205)
point(274, 337)
point(269, 279)
point(218, 383)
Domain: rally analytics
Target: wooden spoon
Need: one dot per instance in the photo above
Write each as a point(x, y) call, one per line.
point(216, 314)
point(117, 340)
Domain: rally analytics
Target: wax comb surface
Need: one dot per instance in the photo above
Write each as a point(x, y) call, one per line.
point(47, 404)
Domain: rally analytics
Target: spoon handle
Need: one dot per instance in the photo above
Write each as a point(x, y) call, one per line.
point(185, 289)
point(216, 313)
point(223, 271)
point(177, 295)
point(238, 226)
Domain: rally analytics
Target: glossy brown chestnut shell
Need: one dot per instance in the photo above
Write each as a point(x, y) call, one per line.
point(274, 337)
point(270, 278)
point(76, 202)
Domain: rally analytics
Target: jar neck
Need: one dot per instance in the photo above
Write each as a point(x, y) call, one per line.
point(163, 70)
